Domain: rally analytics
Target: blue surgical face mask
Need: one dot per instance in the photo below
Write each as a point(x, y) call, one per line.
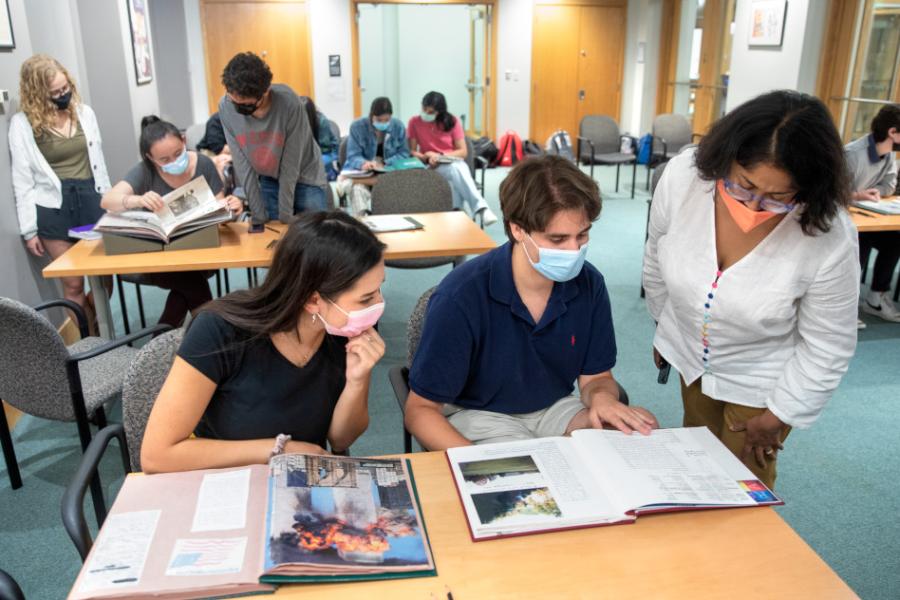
point(428, 117)
point(381, 126)
point(557, 265)
point(177, 166)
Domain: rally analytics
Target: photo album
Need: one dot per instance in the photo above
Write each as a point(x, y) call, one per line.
point(597, 477)
point(222, 532)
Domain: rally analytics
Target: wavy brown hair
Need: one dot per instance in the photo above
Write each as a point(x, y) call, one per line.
point(34, 91)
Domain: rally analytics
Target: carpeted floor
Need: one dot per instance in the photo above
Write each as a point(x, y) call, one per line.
point(837, 478)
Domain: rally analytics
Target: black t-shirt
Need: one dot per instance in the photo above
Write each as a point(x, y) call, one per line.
point(260, 393)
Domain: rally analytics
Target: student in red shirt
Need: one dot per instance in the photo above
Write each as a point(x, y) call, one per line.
point(435, 133)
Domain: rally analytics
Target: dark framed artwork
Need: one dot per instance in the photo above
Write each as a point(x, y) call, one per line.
point(140, 40)
point(7, 40)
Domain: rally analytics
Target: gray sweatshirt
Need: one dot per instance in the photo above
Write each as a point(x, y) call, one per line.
point(280, 145)
point(867, 169)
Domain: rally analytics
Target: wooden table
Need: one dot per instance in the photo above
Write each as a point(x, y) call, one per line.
point(445, 234)
point(866, 221)
point(732, 553)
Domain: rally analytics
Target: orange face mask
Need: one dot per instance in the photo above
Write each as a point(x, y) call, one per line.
point(747, 219)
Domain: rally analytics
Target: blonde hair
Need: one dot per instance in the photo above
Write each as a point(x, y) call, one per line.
point(34, 91)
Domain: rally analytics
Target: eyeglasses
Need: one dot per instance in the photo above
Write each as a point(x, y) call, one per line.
point(743, 195)
point(60, 92)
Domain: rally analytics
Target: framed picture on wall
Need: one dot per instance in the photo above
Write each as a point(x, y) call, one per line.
point(7, 41)
point(767, 22)
point(140, 40)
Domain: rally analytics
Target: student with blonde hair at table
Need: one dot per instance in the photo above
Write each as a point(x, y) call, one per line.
point(283, 367)
point(752, 274)
point(58, 168)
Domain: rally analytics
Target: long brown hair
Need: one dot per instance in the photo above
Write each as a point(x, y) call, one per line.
point(34, 92)
point(325, 252)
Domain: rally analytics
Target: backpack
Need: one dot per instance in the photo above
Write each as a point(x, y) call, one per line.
point(532, 149)
point(486, 149)
point(560, 144)
point(510, 150)
point(644, 149)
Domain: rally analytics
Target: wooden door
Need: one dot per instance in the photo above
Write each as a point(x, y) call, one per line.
point(576, 65)
point(276, 31)
point(601, 59)
point(554, 71)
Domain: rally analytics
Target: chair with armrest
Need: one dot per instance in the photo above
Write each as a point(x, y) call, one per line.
point(477, 169)
point(413, 191)
point(599, 143)
point(9, 589)
point(671, 133)
point(41, 376)
point(399, 375)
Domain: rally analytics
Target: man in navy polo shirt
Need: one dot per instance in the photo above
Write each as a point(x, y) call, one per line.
point(507, 334)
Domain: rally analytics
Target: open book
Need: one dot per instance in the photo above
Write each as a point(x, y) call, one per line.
point(387, 223)
point(187, 208)
point(223, 532)
point(597, 477)
point(403, 164)
point(883, 207)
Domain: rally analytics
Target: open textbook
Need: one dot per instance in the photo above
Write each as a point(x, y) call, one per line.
point(225, 532)
point(597, 477)
point(884, 207)
point(402, 164)
point(187, 208)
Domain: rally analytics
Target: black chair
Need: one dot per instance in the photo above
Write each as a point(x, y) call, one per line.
point(399, 375)
point(477, 165)
point(9, 589)
point(599, 143)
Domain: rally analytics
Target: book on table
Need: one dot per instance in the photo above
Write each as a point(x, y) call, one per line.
point(882, 207)
point(597, 477)
point(402, 164)
point(185, 209)
point(388, 223)
point(221, 532)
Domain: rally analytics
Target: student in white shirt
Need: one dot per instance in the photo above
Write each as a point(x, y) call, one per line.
point(58, 169)
point(752, 275)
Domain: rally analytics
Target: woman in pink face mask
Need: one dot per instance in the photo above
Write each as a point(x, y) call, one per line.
point(284, 367)
point(751, 273)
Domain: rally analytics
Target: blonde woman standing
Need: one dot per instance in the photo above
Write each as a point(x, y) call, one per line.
point(58, 170)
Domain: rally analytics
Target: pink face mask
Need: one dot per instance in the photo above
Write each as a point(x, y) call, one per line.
point(357, 320)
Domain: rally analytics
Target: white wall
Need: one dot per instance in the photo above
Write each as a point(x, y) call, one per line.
point(329, 27)
point(54, 28)
point(639, 77)
point(171, 71)
point(196, 62)
point(513, 76)
point(792, 66)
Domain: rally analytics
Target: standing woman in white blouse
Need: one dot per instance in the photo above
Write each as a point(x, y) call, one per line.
point(58, 170)
point(751, 273)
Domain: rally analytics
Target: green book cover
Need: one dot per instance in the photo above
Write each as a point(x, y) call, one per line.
point(404, 164)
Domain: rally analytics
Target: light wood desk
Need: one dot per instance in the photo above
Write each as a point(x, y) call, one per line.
point(867, 221)
point(445, 234)
point(733, 553)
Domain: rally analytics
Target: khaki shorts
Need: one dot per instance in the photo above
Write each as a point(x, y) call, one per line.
point(484, 426)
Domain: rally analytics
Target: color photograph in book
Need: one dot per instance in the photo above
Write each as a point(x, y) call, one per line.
point(343, 513)
point(489, 483)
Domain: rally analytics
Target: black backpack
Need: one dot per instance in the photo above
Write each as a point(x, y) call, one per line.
point(486, 149)
point(532, 149)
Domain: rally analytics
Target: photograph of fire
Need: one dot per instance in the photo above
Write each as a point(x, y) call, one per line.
point(336, 511)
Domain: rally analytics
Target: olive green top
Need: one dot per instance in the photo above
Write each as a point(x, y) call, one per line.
point(68, 157)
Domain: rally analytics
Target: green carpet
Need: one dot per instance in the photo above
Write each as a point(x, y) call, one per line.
point(837, 478)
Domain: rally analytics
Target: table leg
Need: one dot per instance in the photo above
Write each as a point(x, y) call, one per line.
point(101, 304)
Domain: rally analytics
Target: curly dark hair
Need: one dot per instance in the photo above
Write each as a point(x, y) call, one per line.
point(247, 75)
point(793, 132)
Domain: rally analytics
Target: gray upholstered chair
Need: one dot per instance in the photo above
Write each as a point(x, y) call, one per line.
point(342, 154)
point(399, 376)
point(599, 143)
point(41, 376)
point(143, 380)
point(413, 191)
point(335, 129)
point(671, 134)
point(477, 165)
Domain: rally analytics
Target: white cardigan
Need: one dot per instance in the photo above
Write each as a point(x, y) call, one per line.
point(34, 182)
point(780, 323)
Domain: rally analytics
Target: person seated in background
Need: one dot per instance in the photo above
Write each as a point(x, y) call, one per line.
point(58, 168)
point(321, 128)
point(752, 276)
point(435, 133)
point(374, 141)
point(214, 145)
point(873, 171)
point(165, 165)
point(276, 158)
point(283, 367)
point(507, 334)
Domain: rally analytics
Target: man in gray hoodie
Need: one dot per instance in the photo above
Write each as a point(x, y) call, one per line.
point(873, 172)
point(276, 158)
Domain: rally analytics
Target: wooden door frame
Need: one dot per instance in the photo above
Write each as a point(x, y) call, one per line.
point(668, 55)
point(490, 122)
point(309, 54)
point(623, 4)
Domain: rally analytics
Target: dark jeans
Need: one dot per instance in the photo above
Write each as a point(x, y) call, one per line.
point(306, 197)
point(887, 243)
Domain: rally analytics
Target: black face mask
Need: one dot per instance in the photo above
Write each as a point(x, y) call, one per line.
point(62, 102)
point(246, 109)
